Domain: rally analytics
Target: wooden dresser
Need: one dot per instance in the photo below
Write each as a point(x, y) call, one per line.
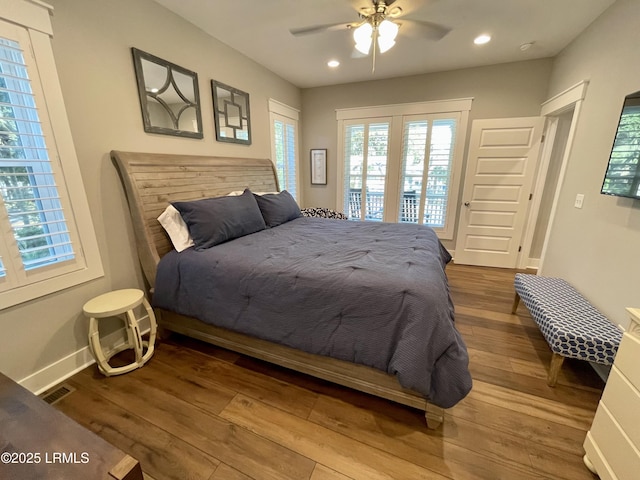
point(39, 442)
point(612, 445)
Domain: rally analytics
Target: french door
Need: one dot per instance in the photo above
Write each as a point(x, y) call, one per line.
point(366, 158)
point(402, 168)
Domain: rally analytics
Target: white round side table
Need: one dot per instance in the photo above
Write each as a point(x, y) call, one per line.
point(113, 304)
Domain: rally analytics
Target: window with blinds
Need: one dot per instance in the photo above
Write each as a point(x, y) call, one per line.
point(427, 157)
point(27, 182)
point(284, 130)
point(366, 152)
point(285, 147)
point(45, 244)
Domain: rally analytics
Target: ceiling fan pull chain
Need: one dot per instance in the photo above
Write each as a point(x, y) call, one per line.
point(374, 37)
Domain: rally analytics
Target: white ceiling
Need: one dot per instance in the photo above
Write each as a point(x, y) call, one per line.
point(260, 30)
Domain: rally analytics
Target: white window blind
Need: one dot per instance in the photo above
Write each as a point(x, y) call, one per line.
point(285, 146)
point(427, 158)
point(366, 152)
point(42, 249)
point(284, 134)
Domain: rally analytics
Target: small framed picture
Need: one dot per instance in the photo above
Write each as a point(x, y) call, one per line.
point(319, 166)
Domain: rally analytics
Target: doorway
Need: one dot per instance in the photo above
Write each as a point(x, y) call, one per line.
point(561, 114)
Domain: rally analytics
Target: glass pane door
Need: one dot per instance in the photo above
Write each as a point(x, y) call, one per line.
point(426, 173)
point(366, 157)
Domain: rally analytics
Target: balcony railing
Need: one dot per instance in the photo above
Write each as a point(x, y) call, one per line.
point(409, 208)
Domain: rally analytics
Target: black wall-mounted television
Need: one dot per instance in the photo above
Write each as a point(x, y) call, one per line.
point(623, 171)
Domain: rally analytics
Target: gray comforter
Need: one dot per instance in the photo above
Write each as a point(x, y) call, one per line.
point(366, 292)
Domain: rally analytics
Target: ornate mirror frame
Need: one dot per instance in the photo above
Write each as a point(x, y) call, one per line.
point(169, 96)
point(231, 113)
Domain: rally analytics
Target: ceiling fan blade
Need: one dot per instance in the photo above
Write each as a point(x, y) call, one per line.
point(423, 29)
point(296, 32)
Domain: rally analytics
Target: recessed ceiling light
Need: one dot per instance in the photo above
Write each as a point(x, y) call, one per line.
point(482, 39)
point(333, 63)
point(526, 46)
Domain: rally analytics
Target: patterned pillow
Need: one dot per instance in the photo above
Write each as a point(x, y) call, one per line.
point(323, 213)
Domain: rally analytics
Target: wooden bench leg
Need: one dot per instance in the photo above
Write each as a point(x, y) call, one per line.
point(516, 302)
point(554, 369)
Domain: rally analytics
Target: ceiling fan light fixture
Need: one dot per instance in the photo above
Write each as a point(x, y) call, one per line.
point(363, 37)
point(364, 47)
point(388, 30)
point(387, 33)
point(385, 43)
point(363, 33)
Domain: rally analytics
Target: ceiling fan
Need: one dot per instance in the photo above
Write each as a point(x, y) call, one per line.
point(378, 27)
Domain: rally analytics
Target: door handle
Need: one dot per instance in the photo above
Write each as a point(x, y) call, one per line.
point(466, 204)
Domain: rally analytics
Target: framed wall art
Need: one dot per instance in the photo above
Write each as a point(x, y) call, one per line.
point(231, 114)
point(169, 96)
point(319, 166)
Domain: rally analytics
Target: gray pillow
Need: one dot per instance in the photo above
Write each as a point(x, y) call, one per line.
point(277, 208)
point(216, 220)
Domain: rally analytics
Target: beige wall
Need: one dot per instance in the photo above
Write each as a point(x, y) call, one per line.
point(92, 47)
point(507, 90)
point(597, 247)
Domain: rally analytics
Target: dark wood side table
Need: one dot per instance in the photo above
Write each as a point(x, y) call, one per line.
point(39, 442)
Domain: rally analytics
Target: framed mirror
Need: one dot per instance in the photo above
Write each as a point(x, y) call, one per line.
point(231, 114)
point(169, 96)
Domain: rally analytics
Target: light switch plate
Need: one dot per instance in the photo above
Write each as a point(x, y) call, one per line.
point(579, 200)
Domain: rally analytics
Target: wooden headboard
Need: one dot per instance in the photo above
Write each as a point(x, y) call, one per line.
point(151, 181)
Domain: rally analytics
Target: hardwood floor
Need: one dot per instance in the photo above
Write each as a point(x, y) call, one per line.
point(200, 412)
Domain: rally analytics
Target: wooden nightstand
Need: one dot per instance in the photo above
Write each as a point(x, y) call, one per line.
point(38, 441)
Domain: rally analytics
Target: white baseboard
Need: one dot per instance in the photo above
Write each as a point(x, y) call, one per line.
point(533, 263)
point(68, 366)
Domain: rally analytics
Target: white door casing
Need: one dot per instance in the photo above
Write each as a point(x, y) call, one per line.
point(503, 154)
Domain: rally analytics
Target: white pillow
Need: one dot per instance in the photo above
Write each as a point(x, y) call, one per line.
point(174, 225)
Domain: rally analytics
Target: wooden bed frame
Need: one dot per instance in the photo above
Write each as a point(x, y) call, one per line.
point(151, 181)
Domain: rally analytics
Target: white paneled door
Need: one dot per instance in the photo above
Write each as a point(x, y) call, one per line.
point(503, 154)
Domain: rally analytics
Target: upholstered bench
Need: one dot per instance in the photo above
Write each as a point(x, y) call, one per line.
point(571, 326)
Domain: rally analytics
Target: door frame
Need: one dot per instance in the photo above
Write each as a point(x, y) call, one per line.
point(549, 136)
point(569, 99)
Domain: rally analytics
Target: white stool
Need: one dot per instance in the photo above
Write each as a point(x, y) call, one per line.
point(113, 304)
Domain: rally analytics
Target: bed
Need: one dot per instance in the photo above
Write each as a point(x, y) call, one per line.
point(272, 279)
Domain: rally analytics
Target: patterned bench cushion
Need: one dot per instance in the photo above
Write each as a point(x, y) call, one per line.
point(570, 324)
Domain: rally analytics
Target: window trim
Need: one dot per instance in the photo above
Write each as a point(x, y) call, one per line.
point(398, 112)
point(33, 17)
